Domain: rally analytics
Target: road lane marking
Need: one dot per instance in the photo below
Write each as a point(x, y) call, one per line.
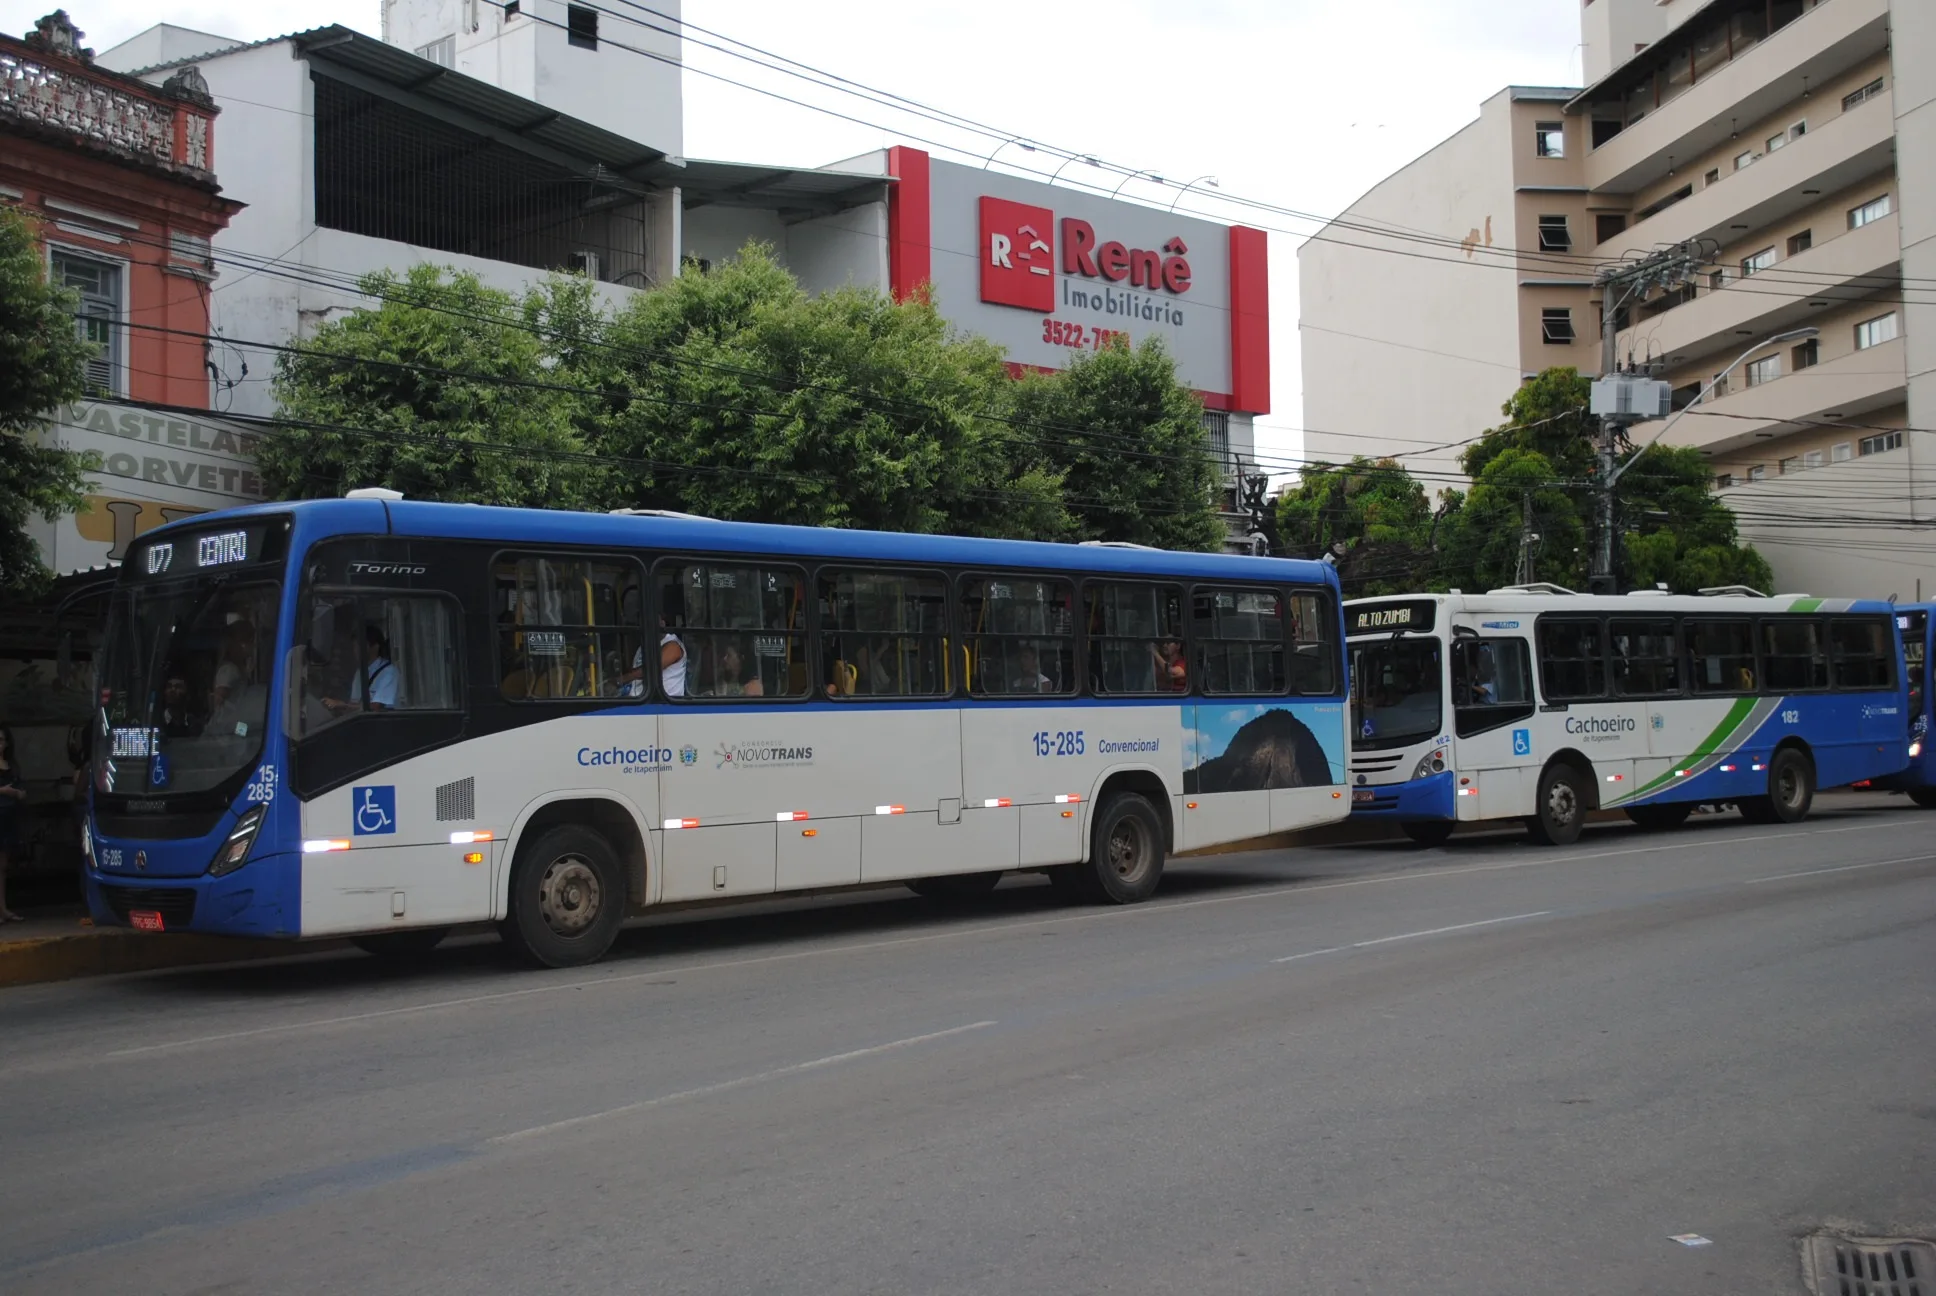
point(1405, 936)
point(658, 971)
point(738, 1082)
point(1841, 868)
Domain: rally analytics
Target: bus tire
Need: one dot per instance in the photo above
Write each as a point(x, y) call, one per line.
point(1125, 853)
point(1429, 832)
point(402, 946)
point(1924, 797)
point(960, 888)
point(567, 898)
point(1660, 818)
point(1791, 791)
point(1559, 809)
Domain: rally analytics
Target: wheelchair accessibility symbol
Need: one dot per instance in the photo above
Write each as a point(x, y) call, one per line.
point(376, 810)
point(1522, 742)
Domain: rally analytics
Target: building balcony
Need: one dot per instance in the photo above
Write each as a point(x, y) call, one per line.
point(1843, 151)
point(1846, 268)
point(1843, 388)
point(1820, 45)
point(49, 87)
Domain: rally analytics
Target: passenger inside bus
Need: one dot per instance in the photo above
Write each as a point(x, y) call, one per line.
point(1028, 672)
point(1172, 672)
point(730, 671)
point(177, 720)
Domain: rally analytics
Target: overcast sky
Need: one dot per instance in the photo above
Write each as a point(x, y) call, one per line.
point(1303, 104)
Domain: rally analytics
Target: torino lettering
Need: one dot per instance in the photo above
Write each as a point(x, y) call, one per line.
point(1600, 725)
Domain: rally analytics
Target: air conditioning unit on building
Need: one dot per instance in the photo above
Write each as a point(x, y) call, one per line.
point(585, 262)
point(1630, 398)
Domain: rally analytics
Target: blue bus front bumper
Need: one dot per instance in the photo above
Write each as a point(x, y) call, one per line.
point(1432, 797)
point(260, 899)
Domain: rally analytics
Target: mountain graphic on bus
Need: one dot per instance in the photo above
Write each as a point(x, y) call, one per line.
point(1258, 748)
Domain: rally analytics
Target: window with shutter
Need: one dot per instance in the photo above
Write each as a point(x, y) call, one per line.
point(97, 315)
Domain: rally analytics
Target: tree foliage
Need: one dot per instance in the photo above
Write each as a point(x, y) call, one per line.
point(736, 394)
point(41, 367)
point(450, 391)
point(1534, 473)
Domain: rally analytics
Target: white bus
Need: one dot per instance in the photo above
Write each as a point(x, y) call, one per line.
point(1538, 704)
point(379, 719)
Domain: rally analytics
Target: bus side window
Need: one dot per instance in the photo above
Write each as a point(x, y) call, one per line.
point(1571, 660)
point(1239, 636)
point(1492, 683)
point(1722, 655)
point(1135, 639)
point(1314, 645)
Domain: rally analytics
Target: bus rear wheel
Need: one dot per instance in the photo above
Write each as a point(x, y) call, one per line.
point(567, 899)
point(1429, 832)
point(962, 888)
point(1559, 811)
point(1659, 818)
point(1125, 855)
point(1791, 791)
point(402, 946)
point(1924, 797)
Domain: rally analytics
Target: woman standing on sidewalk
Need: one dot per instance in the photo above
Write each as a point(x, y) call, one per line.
point(13, 791)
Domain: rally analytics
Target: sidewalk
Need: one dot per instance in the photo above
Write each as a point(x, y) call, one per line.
point(53, 945)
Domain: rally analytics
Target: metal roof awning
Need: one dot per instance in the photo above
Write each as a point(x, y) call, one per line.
point(464, 101)
point(785, 189)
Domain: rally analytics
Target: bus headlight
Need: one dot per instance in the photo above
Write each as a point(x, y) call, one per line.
point(1915, 749)
point(1432, 762)
point(235, 851)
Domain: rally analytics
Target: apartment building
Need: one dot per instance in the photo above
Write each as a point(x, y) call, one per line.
point(1794, 142)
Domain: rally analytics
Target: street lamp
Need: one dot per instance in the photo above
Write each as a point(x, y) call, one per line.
point(1133, 175)
point(1209, 182)
point(1792, 335)
point(1013, 139)
point(1073, 157)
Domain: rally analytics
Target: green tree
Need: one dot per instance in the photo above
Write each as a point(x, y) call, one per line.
point(746, 398)
point(1127, 437)
point(449, 390)
point(1676, 533)
point(1376, 510)
point(41, 367)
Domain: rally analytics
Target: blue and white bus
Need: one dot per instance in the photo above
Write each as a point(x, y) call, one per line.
point(1917, 628)
point(1538, 704)
point(379, 719)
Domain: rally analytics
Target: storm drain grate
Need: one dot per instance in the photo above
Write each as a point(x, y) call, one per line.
point(457, 801)
point(1839, 1266)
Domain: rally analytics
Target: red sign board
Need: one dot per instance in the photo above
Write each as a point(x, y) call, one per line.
point(145, 920)
point(1017, 259)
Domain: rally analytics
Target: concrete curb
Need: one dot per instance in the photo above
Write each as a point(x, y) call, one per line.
point(109, 950)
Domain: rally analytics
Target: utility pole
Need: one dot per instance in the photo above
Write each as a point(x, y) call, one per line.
point(1623, 400)
point(1524, 574)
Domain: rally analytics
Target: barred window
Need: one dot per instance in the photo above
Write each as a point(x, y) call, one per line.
point(884, 634)
point(1864, 654)
point(1792, 656)
point(1723, 655)
point(1646, 658)
point(1135, 638)
point(1020, 634)
point(1238, 637)
point(1314, 644)
point(740, 629)
point(567, 627)
point(1571, 661)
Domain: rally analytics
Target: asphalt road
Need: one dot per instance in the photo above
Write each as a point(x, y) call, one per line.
point(1492, 1068)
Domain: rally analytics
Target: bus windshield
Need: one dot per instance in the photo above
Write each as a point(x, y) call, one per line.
point(1396, 694)
point(185, 684)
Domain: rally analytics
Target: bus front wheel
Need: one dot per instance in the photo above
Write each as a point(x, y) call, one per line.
point(1125, 855)
point(1429, 832)
point(1559, 812)
point(1791, 791)
point(567, 898)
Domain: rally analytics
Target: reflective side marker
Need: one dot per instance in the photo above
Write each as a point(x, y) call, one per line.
point(792, 816)
point(890, 809)
point(681, 823)
point(1728, 769)
point(1682, 773)
point(466, 838)
point(995, 803)
point(1615, 778)
point(1067, 798)
point(1468, 791)
point(330, 844)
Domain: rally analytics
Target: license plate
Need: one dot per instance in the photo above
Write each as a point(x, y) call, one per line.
point(146, 920)
point(1361, 795)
